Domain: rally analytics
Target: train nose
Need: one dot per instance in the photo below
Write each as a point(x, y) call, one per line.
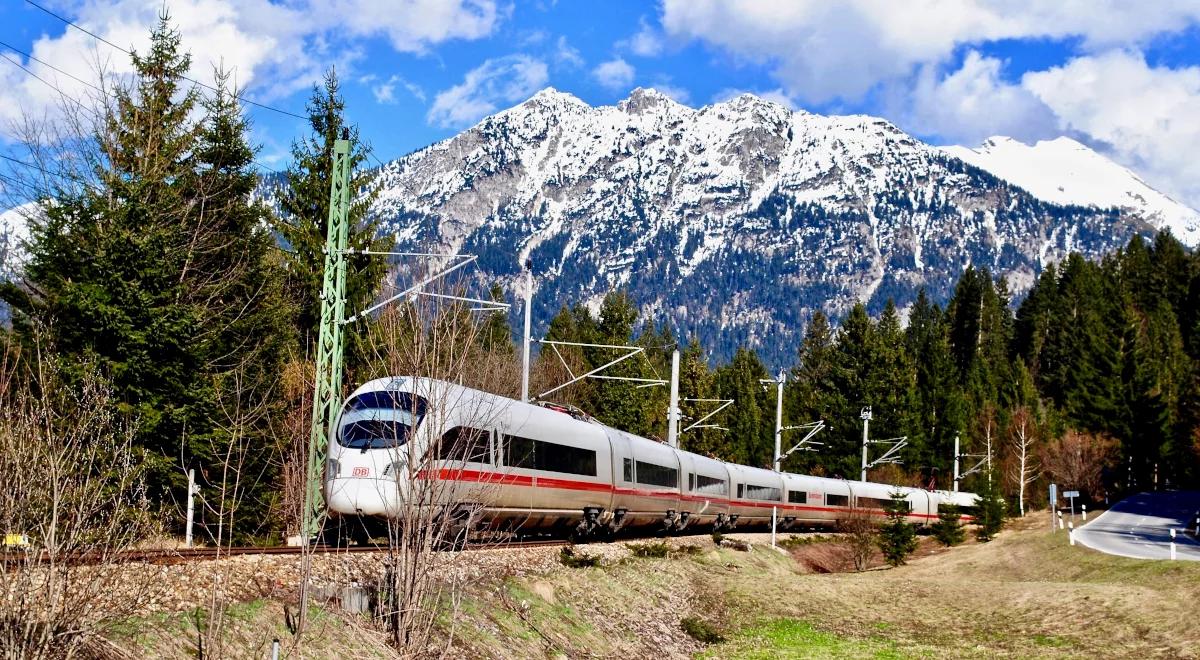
point(362, 497)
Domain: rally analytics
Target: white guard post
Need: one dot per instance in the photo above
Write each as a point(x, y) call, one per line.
point(1071, 532)
point(191, 508)
point(1084, 507)
point(1172, 545)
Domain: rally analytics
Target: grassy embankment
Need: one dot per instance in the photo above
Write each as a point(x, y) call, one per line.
point(1026, 594)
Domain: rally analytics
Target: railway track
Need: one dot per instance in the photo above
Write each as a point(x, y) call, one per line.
point(182, 555)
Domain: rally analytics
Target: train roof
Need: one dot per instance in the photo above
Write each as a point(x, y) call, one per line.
point(445, 389)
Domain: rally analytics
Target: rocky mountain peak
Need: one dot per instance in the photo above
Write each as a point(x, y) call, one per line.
point(733, 222)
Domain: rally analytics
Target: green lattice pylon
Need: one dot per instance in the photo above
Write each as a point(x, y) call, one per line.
point(327, 395)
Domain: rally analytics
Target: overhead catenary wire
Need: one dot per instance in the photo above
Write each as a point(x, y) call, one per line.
point(60, 92)
point(43, 170)
point(50, 66)
point(128, 52)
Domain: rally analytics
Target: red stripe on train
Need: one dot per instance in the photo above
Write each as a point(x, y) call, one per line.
point(507, 479)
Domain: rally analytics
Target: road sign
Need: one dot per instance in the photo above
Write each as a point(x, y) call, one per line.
point(1071, 493)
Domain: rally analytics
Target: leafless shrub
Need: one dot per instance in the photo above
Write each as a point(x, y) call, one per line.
point(1078, 460)
point(861, 533)
point(71, 485)
point(423, 337)
point(440, 341)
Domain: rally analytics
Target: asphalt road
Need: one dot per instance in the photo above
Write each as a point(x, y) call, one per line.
point(1140, 526)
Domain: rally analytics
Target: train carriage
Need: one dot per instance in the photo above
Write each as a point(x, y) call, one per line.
point(755, 492)
point(705, 496)
point(646, 490)
point(414, 441)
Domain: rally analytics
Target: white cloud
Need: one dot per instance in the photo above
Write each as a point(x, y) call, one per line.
point(385, 92)
point(506, 79)
point(647, 42)
point(822, 51)
point(273, 49)
point(673, 92)
point(971, 104)
point(567, 56)
point(614, 74)
point(532, 38)
point(410, 26)
point(1146, 116)
point(776, 95)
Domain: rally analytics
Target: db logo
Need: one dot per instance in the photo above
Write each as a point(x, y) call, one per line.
point(361, 472)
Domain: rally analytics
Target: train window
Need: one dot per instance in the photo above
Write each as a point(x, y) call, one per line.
point(652, 474)
point(691, 481)
point(628, 469)
point(741, 489)
point(873, 502)
point(711, 485)
point(374, 434)
point(519, 452)
point(548, 456)
point(464, 444)
point(837, 500)
point(765, 493)
point(388, 400)
point(798, 496)
point(380, 419)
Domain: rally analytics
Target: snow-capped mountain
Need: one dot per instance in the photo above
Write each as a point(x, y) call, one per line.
point(1064, 171)
point(733, 221)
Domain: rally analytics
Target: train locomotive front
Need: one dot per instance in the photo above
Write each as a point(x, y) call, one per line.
point(380, 444)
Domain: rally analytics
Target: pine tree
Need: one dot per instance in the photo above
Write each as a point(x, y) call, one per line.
point(948, 529)
point(234, 281)
point(162, 276)
point(897, 536)
point(104, 272)
point(697, 382)
point(750, 440)
point(940, 409)
point(304, 218)
point(892, 385)
point(855, 353)
point(496, 334)
point(989, 510)
point(810, 394)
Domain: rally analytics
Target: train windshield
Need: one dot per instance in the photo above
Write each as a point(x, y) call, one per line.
point(380, 420)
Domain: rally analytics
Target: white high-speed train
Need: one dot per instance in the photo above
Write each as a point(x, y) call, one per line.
point(403, 442)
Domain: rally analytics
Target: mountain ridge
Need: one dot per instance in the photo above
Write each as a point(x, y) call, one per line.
point(1065, 171)
point(733, 221)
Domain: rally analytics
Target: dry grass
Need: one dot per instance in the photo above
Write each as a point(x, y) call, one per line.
point(1026, 594)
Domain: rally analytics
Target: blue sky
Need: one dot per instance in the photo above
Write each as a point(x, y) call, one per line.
point(1121, 76)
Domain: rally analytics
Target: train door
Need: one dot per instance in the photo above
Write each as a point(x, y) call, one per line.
point(511, 484)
